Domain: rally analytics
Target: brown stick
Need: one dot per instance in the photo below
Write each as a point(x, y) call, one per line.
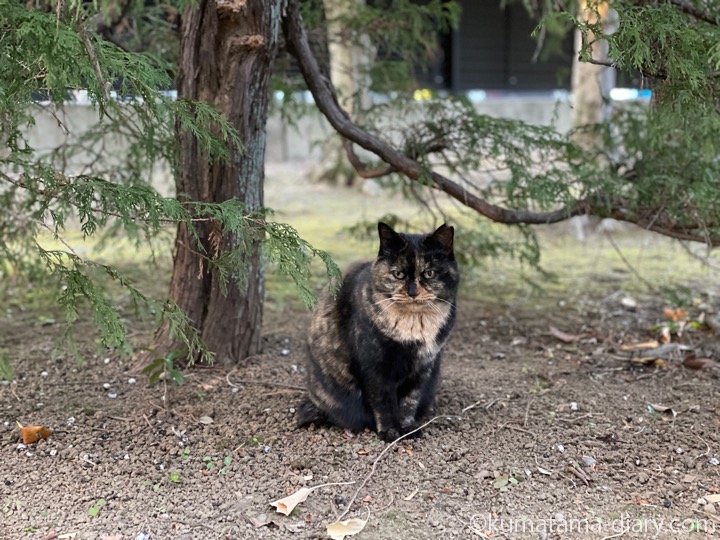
point(327, 102)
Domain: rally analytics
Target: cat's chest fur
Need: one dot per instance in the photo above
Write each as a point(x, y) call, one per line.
point(414, 325)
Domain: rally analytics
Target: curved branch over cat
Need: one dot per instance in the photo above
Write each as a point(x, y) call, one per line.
point(326, 100)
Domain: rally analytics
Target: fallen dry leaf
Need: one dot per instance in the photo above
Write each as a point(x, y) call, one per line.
point(340, 529)
point(287, 504)
point(692, 362)
point(32, 434)
point(658, 362)
point(564, 336)
point(644, 345)
point(661, 409)
point(675, 315)
point(665, 335)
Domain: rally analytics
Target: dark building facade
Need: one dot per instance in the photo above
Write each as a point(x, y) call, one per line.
point(493, 49)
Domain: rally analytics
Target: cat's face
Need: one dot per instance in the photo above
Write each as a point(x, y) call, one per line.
point(416, 270)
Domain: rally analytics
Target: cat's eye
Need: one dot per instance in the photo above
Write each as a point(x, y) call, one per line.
point(399, 274)
point(428, 274)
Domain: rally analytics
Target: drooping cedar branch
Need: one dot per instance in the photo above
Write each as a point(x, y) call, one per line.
point(326, 100)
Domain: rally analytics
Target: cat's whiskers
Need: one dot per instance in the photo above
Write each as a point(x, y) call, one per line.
point(384, 309)
point(435, 308)
point(449, 303)
point(384, 300)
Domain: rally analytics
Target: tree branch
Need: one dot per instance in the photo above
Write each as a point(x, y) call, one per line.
point(691, 9)
point(360, 167)
point(326, 100)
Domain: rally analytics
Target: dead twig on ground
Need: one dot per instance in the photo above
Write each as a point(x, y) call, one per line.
point(387, 449)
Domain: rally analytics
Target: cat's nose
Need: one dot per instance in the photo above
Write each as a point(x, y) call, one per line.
point(412, 289)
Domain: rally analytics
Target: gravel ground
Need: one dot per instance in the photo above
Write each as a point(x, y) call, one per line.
point(538, 436)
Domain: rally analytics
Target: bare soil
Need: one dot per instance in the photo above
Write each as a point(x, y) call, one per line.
point(560, 441)
point(538, 436)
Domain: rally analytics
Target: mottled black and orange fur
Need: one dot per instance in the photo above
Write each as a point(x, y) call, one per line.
point(375, 348)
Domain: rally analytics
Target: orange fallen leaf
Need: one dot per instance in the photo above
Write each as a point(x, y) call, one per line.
point(32, 434)
point(675, 315)
point(362, 452)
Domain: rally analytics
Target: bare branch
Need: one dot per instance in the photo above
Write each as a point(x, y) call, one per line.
point(95, 63)
point(360, 167)
point(327, 102)
point(690, 8)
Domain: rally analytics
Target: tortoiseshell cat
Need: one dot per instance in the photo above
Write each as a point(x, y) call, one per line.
point(375, 347)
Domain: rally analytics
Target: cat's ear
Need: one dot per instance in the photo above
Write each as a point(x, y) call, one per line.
point(443, 237)
point(390, 241)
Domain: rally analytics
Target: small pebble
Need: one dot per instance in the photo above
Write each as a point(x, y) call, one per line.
point(267, 449)
point(44, 374)
point(714, 461)
point(106, 360)
point(285, 352)
point(561, 448)
point(39, 404)
point(70, 421)
point(679, 450)
point(292, 410)
point(112, 395)
point(28, 453)
point(106, 386)
point(588, 461)
point(235, 390)
point(53, 452)
point(573, 406)
point(131, 380)
point(559, 516)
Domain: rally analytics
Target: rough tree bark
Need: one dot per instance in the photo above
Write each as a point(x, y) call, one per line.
point(226, 55)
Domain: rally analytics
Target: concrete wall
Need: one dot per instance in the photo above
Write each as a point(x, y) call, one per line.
point(284, 142)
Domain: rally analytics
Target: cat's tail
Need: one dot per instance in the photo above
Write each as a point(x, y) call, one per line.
point(308, 413)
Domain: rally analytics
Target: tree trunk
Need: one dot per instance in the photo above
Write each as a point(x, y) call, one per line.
point(348, 73)
point(591, 83)
point(226, 56)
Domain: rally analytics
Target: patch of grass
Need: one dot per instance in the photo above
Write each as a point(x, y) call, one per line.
point(6, 370)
